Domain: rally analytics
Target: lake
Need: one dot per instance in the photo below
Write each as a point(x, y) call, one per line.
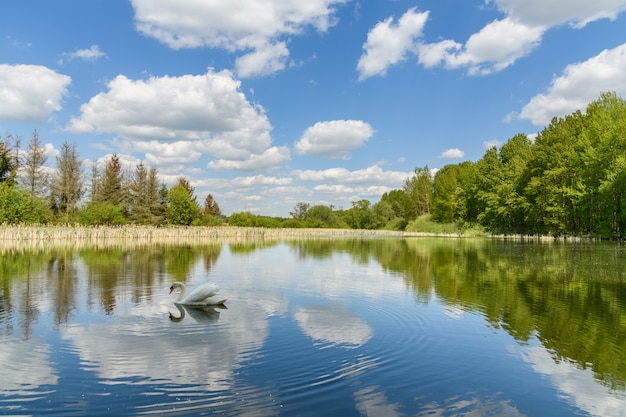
point(318, 327)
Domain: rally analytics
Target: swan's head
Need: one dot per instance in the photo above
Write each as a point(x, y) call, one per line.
point(176, 285)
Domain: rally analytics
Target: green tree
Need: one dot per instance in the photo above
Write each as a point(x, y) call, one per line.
point(553, 187)
point(602, 208)
point(359, 216)
point(181, 208)
point(9, 161)
point(445, 187)
point(110, 184)
point(144, 200)
point(94, 214)
point(419, 190)
point(18, 206)
point(397, 200)
point(323, 217)
point(299, 211)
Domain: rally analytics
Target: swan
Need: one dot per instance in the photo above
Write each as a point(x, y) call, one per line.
point(202, 295)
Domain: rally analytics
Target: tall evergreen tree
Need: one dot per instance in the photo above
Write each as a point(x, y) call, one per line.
point(144, 196)
point(109, 189)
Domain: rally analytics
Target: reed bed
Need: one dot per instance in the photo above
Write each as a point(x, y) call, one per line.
point(41, 237)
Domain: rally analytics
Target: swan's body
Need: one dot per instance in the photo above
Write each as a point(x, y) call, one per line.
point(203, 295)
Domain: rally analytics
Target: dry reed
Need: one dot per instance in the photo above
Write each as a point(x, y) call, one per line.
point(40, 237)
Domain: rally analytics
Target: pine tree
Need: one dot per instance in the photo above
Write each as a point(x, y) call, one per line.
point(109, 189)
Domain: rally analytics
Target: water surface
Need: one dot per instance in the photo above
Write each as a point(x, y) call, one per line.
point(346, 327)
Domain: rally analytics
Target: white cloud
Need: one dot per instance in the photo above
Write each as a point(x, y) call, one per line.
point(453, 153)
point(388, 43)
point(579, 84)
point(373, 175)
point(92, 54)
point(264, 60)
point(334, 139)
point(554, 12)
point(496, 46)
point(488, 144)
point(258, 29)
point(30, 93)
point(256, 180)
point(272, 158)
point(180, 119)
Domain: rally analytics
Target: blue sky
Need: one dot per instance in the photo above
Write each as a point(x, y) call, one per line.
point(268, 103)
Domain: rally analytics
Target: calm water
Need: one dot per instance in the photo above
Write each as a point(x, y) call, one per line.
point(384, 327)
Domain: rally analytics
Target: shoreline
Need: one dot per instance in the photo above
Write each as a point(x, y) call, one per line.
point(13, 237)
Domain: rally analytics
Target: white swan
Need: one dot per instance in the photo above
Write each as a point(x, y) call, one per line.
point(203, 295)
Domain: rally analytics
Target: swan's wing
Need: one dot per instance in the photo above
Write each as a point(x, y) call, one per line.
point(200, 293)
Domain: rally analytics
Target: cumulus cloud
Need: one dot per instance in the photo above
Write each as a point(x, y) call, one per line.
point(388, 43)
point(453, 153)
point(257, 29)
point(496, 46)
point(334, 139)
point(92, 54)
point(30, 93)
point(373, 175)
point(549, 13)
point(579, 84)
point(179, 119)
point(272, 158)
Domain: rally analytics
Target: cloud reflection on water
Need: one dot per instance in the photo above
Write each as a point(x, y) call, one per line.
point(25, 366)
point(579, 385)
point(333, 324)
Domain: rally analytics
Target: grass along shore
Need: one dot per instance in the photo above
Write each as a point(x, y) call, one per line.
point(77, 236)
point(12, 236)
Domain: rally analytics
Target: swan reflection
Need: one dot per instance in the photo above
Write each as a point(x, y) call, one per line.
point(205, 314)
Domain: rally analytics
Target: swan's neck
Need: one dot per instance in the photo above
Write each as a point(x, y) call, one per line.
point(182, 293)
point(181, 311)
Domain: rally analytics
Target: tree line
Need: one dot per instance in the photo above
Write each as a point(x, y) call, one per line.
point(569, 180)
point(31, 192)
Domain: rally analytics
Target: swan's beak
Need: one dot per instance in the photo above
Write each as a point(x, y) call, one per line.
point(171, 289)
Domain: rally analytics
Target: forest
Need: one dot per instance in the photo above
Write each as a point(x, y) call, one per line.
point(569, 181)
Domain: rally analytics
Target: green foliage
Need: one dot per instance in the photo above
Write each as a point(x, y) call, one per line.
point(17, 206)
point(293, 224)
point(208, 220)
point(419, 191)
point(323, 217)
point(182, 210)
point(425, 224)
point(245, 219)
point(109, 188)
point(95, 214)
point(9, 162)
